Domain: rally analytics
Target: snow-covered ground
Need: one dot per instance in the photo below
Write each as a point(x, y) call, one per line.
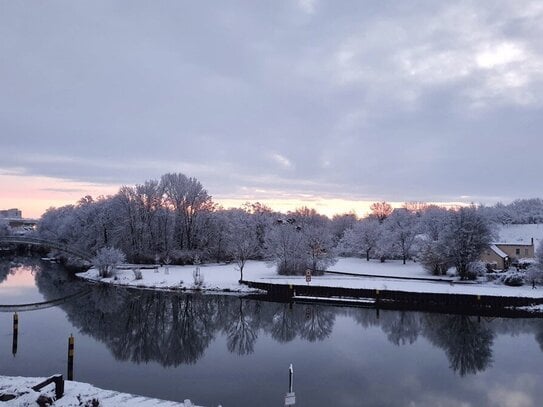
point(216, 277)
point(390, 268)
point(224, 277)
point(76, 394)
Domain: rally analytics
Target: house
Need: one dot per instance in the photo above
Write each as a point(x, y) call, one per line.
point(502, 255)
point(11, 214)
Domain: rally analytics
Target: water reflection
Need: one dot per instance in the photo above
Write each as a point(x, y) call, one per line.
point(5, 270)
point(177, 328)
point(466, 341)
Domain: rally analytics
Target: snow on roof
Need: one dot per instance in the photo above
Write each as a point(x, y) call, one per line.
point(520, 234)
point(498, 251)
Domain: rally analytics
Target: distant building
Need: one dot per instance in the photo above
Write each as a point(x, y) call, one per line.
point(502, 255)
point(11, 214)
point(16, 223)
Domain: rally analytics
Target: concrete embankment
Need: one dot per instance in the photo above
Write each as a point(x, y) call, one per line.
point(481, 305)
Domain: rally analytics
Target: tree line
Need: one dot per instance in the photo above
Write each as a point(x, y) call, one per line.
point(174, 219)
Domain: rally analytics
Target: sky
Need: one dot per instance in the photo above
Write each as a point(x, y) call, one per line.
point(329, 104)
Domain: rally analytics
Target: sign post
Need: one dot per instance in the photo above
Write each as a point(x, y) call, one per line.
point(308, 276)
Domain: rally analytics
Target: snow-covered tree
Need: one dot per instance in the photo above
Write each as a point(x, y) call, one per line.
point(433, 257)
point(466, 234)
point(432, 251)
point(539, 254)
point(262, 219)
point(242, 238)
point(432, 222)
point(107, 259)
point(362, 239)
point(400, 230)
point(187, 198)
point(284, 247)
point(300, 242)
point(4, 229)
point(341, 223)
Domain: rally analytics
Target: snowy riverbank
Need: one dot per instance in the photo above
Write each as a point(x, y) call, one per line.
point(216, 277)
point(377, 276)
point(76, 394)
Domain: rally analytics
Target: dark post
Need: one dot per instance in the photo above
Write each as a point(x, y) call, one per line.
point(290, 378)
point(71, 357)
point(59, 385)
point(15, 333)
point(377, 303)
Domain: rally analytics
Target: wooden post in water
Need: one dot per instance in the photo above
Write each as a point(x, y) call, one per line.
point(290, 378)
point(15, 334)
point(377, 303)
point(290, 398)
point(71, 357)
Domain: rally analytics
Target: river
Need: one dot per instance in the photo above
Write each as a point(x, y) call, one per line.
point(236, 352)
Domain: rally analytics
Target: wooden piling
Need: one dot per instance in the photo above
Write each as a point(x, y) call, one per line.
point(15, 334)
point(71, 357)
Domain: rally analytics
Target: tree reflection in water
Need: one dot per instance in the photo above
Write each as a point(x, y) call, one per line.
point(177, 328)
point(467, 342)
point(401, 327)
point(5, 270)
point(242, 331)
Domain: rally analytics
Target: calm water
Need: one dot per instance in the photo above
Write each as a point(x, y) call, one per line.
point(236, 352)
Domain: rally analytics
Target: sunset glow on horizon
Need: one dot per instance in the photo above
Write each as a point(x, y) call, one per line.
point(34, 195)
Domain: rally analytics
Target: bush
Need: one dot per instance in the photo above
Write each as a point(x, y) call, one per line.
point(107, 259)
point(513, 279)
point(478, 268)
point(137, 274)
point(433, 260)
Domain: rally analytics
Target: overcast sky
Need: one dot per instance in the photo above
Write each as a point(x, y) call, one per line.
point(362, 100)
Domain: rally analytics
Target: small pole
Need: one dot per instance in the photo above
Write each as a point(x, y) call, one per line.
point(15, 334)
point(290, 378)
point(290, 398)
point(71, 357)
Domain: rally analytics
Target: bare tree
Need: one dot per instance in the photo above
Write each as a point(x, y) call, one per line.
point(242, 240)
point(380, 210)
point(187, 197)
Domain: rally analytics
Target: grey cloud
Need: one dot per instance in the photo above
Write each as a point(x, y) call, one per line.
point(368, 100)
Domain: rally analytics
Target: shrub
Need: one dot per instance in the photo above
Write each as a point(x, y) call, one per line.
point(107, 259)
point(137, 274)
point(433, 260)
point(513, 279)
point(478, 268)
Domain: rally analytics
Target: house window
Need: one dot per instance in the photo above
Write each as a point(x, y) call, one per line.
point(517, 251)
point(526, 252)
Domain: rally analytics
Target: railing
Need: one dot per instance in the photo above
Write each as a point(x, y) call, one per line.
point(47, 243)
